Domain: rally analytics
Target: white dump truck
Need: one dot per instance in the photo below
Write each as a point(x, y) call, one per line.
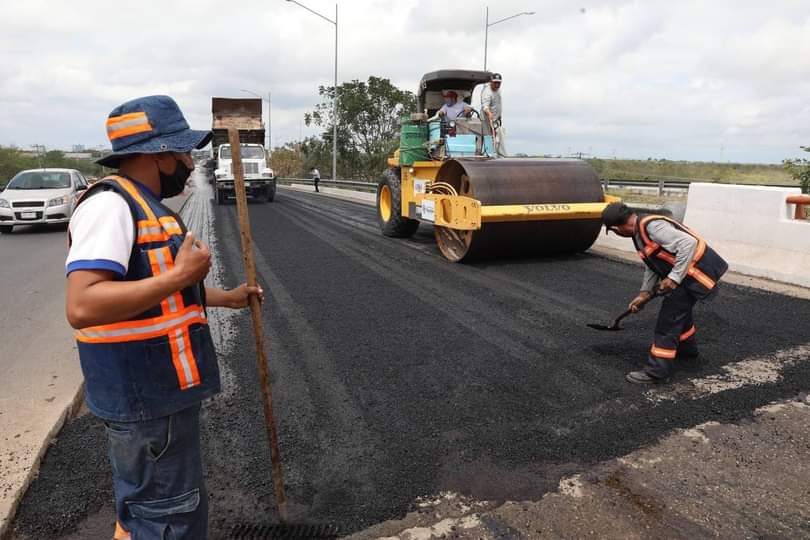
point(260, 181)
point(244, 114)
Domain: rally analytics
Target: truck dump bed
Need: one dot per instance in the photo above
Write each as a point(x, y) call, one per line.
point(244, 114)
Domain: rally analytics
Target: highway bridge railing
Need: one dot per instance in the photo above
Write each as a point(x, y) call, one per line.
point(345, 184)
point(660, 185)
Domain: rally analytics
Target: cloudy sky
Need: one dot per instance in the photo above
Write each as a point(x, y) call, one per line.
point(714, 80)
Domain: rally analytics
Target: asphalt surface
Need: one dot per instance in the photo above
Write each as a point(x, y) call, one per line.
point(398, 375)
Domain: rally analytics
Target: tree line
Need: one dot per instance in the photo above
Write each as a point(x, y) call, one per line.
point(14, 160)
point(368, 131)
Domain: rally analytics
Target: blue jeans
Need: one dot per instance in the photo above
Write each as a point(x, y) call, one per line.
point(157, 477)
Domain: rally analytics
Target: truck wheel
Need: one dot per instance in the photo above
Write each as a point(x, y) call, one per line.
point(220, 197)
point(389, 200)
point(6, 229)
point(270, 193)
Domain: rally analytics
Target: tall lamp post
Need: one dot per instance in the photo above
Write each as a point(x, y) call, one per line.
point(488, 24)
point(335, 98)
point(269, 125)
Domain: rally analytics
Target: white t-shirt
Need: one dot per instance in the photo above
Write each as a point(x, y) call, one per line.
point(316, 174)
point(491, 100)
point(102, 233)
point(455, 110)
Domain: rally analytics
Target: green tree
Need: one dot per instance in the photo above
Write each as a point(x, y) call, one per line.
point(368, 124)
point(287, 161)
point(799, 169)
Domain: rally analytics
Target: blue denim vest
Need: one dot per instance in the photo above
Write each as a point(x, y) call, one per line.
point(163, 360)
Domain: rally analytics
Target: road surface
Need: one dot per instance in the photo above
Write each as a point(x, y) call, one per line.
point(398, 375)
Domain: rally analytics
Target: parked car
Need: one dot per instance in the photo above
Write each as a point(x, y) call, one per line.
point(40, 196)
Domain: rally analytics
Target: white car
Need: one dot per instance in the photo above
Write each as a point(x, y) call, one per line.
point(40, 196)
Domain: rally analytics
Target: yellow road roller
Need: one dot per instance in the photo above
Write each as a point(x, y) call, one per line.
point(446, 172)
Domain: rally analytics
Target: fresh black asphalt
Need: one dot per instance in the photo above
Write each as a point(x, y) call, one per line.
point(397, 375)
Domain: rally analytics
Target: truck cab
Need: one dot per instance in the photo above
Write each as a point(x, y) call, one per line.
point(260, 181)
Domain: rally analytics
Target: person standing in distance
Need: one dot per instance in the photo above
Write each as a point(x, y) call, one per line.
point(135, 296)
point(492, 109)
point(316, 177)
point(681, 266)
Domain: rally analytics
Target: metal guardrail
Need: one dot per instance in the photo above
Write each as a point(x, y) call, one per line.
point(327, 182)
point(660, 184)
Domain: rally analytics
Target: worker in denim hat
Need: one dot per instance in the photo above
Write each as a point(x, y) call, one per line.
point(135, 296)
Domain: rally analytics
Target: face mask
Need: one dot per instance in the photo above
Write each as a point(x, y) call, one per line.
point(173, 184)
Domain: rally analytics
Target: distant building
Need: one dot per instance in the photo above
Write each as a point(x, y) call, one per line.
point(78, 148)
point(78, 155)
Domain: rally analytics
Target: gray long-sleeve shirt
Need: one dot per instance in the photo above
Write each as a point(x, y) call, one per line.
point(675, 241)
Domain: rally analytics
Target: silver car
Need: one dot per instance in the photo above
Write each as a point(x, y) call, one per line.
point(40, 196)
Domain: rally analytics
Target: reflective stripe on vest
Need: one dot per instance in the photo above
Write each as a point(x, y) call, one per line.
point(176, 318)
point(141, 329)
point(651, 248)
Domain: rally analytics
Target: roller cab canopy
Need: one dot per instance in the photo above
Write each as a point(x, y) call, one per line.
point(462, 81)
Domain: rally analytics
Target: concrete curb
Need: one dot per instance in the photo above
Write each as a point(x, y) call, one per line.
point(363, 197)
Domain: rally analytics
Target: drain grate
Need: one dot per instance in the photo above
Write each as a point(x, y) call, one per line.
point(246, 531)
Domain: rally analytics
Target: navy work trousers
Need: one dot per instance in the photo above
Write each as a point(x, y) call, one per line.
point(674, 333)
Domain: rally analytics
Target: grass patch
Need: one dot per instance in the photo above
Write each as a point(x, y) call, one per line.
point(695, 171)
point(633, 196)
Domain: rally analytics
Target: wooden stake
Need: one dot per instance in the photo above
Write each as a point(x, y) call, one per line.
point(256, 314)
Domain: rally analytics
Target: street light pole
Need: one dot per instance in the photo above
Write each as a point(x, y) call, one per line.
point(335, 97)
point(40, 149)
point(486, 39)
point(488, 24)
point(334, 104)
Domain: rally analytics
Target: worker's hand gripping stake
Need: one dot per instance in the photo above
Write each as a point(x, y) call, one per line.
point(255, 311)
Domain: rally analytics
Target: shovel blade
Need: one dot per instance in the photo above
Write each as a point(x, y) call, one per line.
point(604, 328)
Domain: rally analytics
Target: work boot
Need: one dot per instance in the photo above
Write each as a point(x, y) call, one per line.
point(642, 377)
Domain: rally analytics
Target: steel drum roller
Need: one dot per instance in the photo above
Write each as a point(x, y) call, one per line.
point(516, 182)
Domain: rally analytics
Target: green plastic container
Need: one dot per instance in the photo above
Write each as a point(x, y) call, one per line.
point(413, 143)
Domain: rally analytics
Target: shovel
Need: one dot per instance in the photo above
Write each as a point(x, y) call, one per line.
point(614, 327)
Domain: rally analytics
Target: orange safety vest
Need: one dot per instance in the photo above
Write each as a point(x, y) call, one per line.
point(705, 269)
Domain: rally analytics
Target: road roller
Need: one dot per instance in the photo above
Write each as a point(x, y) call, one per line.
point(446, 172)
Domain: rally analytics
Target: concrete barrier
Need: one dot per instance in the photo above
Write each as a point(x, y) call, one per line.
point(752, 227)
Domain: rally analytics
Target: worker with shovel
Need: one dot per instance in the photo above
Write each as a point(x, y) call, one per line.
point(683, 268)
point(136, 297)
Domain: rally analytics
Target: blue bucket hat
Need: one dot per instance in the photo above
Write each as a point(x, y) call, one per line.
point(150, 125)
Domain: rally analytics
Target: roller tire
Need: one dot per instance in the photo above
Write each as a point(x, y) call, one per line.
point(6, 229)
point(220, 197)
point(396, 226)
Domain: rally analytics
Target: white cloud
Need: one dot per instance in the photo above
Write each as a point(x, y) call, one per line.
point(641, 78)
